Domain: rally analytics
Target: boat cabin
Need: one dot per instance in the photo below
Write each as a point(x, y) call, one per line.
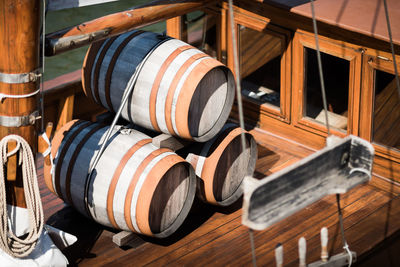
point(279, 72)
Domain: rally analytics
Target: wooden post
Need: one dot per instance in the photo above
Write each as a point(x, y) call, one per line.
point(174, 27)
point(19, 50)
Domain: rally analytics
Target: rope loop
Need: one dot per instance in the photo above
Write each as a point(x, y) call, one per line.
point(4, 96)
point(9, 242)
point(48, 151)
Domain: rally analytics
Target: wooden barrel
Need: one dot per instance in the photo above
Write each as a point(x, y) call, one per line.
point(180, 90)
point(221, 165)
point(135, 185)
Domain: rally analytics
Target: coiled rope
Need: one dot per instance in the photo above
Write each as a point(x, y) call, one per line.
point(9, 242)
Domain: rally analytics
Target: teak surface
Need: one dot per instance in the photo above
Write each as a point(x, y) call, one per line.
point(215, 236)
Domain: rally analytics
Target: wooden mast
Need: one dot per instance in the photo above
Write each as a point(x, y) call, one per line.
point(19, 50)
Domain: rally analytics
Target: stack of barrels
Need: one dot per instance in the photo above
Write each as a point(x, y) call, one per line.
point(135, 185)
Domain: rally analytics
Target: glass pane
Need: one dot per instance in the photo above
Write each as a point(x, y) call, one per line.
point(336, 80)
point(200, 30)
point(386, 122)
point(260, 65)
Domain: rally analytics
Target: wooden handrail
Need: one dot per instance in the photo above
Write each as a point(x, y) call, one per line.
point(107, 26)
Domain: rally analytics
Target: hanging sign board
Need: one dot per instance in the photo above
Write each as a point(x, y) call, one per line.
point(335, 169)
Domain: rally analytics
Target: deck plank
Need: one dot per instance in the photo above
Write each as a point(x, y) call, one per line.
point(215, 236)
point(287, 233)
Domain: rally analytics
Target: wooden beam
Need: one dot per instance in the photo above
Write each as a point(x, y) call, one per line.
point(130, 239)
point(114, 24)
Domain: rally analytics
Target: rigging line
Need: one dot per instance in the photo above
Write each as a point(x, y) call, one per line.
point(237, 75)
point(253, 250)
point(240, 105)
point(321, 75)
point(204, 34)
point(42, 75)
point(345, 245)
point(392, 46)
point(127, 93)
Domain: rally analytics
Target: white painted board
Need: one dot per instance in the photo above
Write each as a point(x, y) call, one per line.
point(64, 4)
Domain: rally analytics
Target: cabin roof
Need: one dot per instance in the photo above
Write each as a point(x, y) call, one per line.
point(363, 16)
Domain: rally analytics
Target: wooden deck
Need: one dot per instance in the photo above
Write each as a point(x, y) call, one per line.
point(215, 236)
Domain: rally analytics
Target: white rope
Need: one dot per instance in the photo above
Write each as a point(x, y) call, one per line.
point(347, 249)
point(11, 244)
point(4, 96)
point(48, 150)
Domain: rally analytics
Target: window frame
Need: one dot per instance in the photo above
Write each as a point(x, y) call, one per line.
point(262, 24)
point(375, 61)
point(304, 40)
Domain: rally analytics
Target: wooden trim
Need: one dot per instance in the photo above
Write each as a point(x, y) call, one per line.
point(372, 62)
point(338, 49)
point(223, 37)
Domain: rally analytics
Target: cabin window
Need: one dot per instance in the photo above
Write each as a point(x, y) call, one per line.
point(336, 79)
point(260, 56)
point(200, 30)
point(265, 56)
point(341, 65)
point(386, 115)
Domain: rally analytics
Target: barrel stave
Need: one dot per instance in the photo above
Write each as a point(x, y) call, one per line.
point(221, 165)
point(179, 91)
point(163, 179)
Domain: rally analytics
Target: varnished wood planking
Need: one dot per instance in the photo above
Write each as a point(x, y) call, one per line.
point(220, 239)
point(217, 225)
point(384, 221)
point(310, 229)
point(284, 232)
